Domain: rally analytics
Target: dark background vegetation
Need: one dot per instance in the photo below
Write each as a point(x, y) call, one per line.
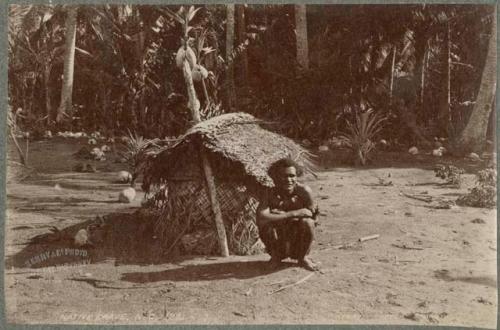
point(420, 66)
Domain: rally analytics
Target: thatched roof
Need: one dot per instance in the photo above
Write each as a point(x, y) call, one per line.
point(237, 145)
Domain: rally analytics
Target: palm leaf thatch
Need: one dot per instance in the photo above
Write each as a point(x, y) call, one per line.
point(238, 148)
point(240, 152)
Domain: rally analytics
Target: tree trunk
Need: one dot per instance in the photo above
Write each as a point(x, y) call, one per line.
point(473, 137)
point(422, 78)
point(46, 82)
point(65, 108)
point(140, 39)
point(22, 158)
point(120, 123)
point(32, 95)
point(24, 94)
point(243, 59)
point(420, 43)
point(444, 116)
point(448, 82)
point(231, 92)
point(194, 103)
point(105, 116)
point(393, 64)
point(301, 35)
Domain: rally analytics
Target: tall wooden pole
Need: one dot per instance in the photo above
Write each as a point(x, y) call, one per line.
point(194, 106)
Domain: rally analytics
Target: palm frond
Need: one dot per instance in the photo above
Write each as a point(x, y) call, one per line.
point(361, 132)
point(17, 15)
point(137, 151)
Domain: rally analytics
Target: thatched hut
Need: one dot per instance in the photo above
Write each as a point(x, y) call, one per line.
point(240, 152)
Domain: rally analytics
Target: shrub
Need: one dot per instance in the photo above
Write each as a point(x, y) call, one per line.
point(450, 173)
point(484, 194)
point(136, 153)
point(361, 133)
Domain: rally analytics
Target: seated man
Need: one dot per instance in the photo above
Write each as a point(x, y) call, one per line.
point(285, 216)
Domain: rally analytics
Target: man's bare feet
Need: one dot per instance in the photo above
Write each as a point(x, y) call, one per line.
point(308, 264)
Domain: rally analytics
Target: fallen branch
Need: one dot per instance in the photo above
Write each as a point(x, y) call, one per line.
point(274, 283)
point(406, 247)
point(239, 314)
point(442, 206)
point(293, 284)
point(351, 244)
point(341, 246)
point(100, 284)
point(466, 65)
point(419, 198)
point(421, 184)
point(367, 238)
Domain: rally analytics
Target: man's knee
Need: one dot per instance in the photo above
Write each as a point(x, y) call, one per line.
point(307, 226)
point(267, 234)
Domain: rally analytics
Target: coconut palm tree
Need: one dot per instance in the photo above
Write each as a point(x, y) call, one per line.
point(301, 33)
point(231, 93)
point(473, 136)
point(65, 108)
point(243, 59)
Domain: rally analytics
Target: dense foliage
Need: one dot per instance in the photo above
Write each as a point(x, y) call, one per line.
point(418, 65)
point(484, 194)
point(450, 173)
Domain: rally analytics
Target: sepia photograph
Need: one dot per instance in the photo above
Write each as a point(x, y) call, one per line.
point(261, 164)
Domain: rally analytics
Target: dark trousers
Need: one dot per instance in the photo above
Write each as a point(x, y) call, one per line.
point(288, 239)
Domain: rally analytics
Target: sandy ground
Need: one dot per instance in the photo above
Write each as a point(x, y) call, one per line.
point(428, 267)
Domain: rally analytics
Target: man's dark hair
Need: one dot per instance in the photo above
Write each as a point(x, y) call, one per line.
point(282, 164)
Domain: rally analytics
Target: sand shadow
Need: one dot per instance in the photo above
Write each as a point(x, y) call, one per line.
point(82, 184)
point(126, 238)
point(40, 202)
point(341, 158)
point(53, 204)
point(207, 272)
point(445, 275)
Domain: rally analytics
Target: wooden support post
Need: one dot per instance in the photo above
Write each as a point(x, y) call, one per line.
point(194, 106)
point(212, 194)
